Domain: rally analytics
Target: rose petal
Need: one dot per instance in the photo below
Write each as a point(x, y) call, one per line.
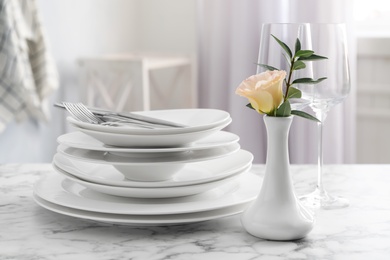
point(262, 102)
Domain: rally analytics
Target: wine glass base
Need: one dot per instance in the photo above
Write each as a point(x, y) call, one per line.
point(322, 200)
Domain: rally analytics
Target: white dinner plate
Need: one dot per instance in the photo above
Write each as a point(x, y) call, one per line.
point(83, 141)
point(61, 191)
point(152, 141)
point(142, 220)
point(191, 174)
point(195, 119)
point(150, 193)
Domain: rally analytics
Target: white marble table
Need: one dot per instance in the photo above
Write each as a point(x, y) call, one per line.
point(361, 231)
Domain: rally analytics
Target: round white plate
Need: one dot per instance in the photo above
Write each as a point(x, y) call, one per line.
point(142, 220)
point(149, 193)
point(196, 119)
point(61, 191)
point(83, 141)
point(152, 141)
point(191, 174)
point(147, 159)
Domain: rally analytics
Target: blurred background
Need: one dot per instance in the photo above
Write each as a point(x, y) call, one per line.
point(195, 53)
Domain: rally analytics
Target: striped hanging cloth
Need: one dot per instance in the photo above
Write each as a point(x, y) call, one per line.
point(27, 71)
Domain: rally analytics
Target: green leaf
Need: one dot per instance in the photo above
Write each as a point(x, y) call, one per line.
point(250, 106)
point(297, 45)
point(308, 81)
point(267, 67)
point(312, 57)
point(304, 53)
point(298, 65)
point(284, 109)
point(294, 93)
point(284, 46)
point(304, 115)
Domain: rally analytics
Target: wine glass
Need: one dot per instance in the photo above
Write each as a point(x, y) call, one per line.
point(327, 40)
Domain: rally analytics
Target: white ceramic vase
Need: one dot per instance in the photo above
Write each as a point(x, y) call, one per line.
point(277, 214)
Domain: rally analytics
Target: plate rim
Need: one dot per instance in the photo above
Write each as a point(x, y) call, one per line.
point(125, 219)
point(238, 195)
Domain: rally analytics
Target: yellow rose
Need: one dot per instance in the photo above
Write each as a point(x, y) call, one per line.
point(263, 90)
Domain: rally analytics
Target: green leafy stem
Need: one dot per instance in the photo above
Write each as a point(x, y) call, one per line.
point(296, 61)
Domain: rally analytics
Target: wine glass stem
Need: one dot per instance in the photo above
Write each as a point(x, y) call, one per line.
point(320, 158)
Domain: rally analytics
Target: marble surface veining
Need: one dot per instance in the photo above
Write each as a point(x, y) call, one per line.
point(361, 231)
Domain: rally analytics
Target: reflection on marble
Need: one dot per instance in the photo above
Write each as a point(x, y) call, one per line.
point(361, 231)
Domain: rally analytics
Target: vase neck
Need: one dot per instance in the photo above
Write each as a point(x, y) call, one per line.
point(277, 144)
point(277, 180)
point(277, 138)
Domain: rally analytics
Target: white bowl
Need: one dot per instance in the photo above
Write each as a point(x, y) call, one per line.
point(192, 174)
point(146, 168)
point(154, 172)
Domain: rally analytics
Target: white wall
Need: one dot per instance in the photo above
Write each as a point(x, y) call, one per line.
point(166, 25)
point(86, 28)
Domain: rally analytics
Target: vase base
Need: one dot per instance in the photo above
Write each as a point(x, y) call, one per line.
point(322, 200)
point(271, 235)
point(278, 222)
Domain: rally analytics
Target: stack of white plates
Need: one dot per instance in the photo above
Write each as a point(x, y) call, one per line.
point(137, 176)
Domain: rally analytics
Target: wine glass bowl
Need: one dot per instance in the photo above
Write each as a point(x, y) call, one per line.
point(328, 40)
point(270, 52)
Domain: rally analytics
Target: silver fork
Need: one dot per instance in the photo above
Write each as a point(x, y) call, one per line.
point(80, 112)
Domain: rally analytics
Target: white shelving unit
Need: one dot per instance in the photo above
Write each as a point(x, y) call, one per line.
point(139, 81)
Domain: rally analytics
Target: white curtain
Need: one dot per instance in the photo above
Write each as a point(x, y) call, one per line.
point(229, 33)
